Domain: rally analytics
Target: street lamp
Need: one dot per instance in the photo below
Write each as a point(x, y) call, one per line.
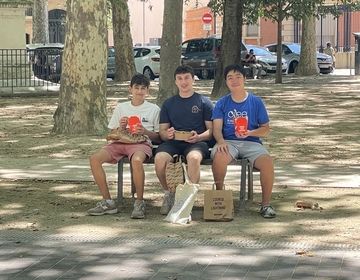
point(143, 31)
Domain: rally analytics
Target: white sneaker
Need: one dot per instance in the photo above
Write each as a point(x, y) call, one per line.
point(103, 208)
point(139, 210)
point(168, 203)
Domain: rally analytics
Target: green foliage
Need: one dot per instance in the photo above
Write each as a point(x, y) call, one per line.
point(283, 9)
point(337, 9)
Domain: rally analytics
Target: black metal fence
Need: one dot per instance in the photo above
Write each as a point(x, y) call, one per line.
point(29, 68)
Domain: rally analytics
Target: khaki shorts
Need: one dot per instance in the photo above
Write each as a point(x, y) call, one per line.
point(243, 149)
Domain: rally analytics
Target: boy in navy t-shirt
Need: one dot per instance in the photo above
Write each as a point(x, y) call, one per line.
point(189, 112)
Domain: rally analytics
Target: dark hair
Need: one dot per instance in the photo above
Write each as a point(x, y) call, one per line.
point(183, 69)
point(236, 68)
point(139, 79)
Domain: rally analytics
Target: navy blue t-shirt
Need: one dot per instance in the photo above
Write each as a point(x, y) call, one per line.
point(186, 114)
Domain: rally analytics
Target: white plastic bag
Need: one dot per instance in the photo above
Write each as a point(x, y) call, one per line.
point(185, 196)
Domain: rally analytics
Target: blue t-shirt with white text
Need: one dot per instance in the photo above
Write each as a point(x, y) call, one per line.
point(252, 107)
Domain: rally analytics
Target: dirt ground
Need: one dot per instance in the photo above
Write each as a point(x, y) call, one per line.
point(313, 120)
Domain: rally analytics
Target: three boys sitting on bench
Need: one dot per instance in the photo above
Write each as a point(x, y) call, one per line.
point(188, 111)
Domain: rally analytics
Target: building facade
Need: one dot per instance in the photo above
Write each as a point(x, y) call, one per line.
point(328, 29)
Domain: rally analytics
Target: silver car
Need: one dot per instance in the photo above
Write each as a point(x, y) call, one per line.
point(291, 52)
point(267, 60)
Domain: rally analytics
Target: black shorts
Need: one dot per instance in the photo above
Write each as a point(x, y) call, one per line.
point(173, 147)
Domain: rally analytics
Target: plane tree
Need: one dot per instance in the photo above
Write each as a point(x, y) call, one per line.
point(82, 99)
point(123, 45)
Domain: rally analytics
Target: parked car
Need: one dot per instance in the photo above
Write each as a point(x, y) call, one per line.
point(267, 60)
point(291, 52)
point(46, 60)
point(147, 61)
point(202, 55)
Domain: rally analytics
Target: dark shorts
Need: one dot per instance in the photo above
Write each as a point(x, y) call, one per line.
point(173, 147)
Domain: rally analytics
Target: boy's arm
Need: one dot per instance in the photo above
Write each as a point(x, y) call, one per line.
point(154, 136)
point(220, 141)
point(205, 136)
point(164, 133)
point(217, 131)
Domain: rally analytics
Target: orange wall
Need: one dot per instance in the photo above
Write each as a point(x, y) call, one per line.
point(355, 27)
point(268, 32)
point(193, 25)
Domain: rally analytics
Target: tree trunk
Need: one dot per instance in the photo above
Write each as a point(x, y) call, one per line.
point(40, 22)
point(170, 48)
point(231, 43)
point(82, 100)
point(308, 65)
point(124, 54)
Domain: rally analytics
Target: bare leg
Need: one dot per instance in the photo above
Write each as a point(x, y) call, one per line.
point(161, 160)
point(219, 168)
point(194, 159)
point(137, 161)
point(265, 165)
point(96, 163)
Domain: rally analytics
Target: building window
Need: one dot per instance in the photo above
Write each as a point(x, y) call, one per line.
point(252, 30)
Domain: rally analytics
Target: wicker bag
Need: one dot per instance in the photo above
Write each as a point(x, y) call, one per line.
point(124, 136)
point(175, 173)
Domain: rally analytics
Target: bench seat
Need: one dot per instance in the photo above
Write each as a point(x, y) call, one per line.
point(245, 175)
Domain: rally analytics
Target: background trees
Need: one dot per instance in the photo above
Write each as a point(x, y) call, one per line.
point(123, 45)
point(82, 100)
point(230, 38)
point(40, 22)
point(170, 48)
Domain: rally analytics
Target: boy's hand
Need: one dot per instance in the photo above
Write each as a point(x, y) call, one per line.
point(193, 138)
point(171, 133)
point(242, 135)
point(123, 122)
point(140, 129)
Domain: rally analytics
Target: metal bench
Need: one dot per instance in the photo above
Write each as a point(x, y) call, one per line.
point(245, 175)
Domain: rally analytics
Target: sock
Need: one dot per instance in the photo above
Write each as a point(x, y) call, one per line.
point(110, 201)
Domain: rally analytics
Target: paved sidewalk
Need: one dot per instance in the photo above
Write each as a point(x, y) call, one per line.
point(41, 256)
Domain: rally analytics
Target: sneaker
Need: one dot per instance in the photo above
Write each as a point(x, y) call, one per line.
point(168, 203)
point(103, 208)
point(267, 212)
point(139, 210)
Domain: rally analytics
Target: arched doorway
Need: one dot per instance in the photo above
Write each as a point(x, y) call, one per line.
point(57, 20)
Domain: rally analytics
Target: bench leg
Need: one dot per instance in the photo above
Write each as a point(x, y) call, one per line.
point(133, 189)
point(250, 182)
point(120, 183)
point(244, 163)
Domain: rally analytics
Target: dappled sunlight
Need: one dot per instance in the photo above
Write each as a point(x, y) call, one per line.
point(65, 187)
point(90, 231)
point(10, 209)
point(53, 145)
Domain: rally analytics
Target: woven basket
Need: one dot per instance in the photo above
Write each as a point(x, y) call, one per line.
point(174, 173)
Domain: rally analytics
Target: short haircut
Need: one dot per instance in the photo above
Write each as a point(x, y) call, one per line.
point(236, 68)
point(139, 79)
point(183, 69)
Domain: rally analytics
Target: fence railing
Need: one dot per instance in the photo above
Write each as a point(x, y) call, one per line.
point(29, 68)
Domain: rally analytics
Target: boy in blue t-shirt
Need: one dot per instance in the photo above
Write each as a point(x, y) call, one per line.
point(239, 120)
